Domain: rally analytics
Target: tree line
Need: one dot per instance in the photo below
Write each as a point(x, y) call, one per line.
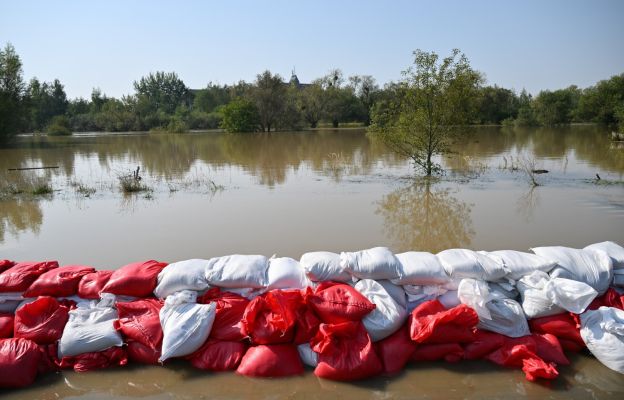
point(162, 102)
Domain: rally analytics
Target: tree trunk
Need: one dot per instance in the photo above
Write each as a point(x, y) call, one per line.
point(335, 123)
point(429, 166)
point(313, 124)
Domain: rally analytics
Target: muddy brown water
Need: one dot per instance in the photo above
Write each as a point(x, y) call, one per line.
point(287, 193)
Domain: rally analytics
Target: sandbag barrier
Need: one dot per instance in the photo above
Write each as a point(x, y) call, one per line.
point(350, 316)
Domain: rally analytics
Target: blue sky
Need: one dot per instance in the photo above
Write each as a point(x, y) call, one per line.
point(109, 44)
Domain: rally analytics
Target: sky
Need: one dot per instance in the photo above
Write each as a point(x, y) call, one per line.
point(545, 44)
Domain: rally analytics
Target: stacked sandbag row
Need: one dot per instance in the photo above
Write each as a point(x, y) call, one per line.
point(349, 316)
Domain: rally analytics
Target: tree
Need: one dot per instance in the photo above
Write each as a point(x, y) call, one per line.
point(268, 94)
point(599, 103)
point(162, 91)
point(497, 104)
point(556, 107)
point(11, 92)
point(526, 114)
point(422, 118)
point(240, 115)
point(366, 89)
point(311, 101)
point(211, 97)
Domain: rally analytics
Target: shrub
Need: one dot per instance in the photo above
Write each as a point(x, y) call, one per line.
point(59, 126)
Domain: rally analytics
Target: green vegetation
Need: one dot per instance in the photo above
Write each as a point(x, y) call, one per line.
point(129, 183)
point(240, 115)
point(59, 126)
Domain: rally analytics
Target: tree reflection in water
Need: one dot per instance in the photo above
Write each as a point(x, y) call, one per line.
point(19, 215)
point(424, 217)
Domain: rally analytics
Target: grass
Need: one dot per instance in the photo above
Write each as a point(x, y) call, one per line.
point(129, 184)
point(42, 189)
point(82, 189)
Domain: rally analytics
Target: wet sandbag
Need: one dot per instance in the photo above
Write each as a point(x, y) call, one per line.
point(519, 263)
point(420, 268)
point(387, 316)
point(522, 354)
point(6, 325)
point(92, 284)
point(89, 329)
point(464, 263)
point(563, 326)
point(139, 323)
point(485, 343)
point(307, 355)
point(230, 308)
point(19, 362)
point(335, 303)
point(113, 356)
point(271, 361)
point(611, 298)
point(238, 271)
point(286, 273)
point(5, 264)
point(375, 263)
point(20, 276)
point(594, 268)
point(218, 355)
point(321, 266)
point(271, 318)
point(602, 331)
point(41, 321)
point(449, 352)
point(185, 324)
point(549, 348)
point(137, 279)
point(58, 282)
point(431, 322)
point(395, 351)
point(345, 352)
point(182, 275)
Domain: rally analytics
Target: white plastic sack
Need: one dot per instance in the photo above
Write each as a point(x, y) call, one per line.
point(594, 268)
point(420, 268)
point(376, 263)
point(602, 331)
point(519, 263)
point(449, 299)
point(286, 273)
point(613, 250)
point(323, 266)
point(387, 317)
point(10, 301)
point(238, 271)
point(186, 325)
point(182, 275)
point(570, 295)
point(395, 291)
point(464, 263)
point(89, 329)
point(307, 355)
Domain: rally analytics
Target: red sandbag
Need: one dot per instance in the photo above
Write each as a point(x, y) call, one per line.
point(92, 284)
point(431, 322)
point(216, 355)
point(611, 298)
point(271, 361)
point(6, 325)
point(395, 351)
point(5, 264)
point(270, 318)
point(139, 322)
point(58, 282)
point(19, 359)
point(20, 276)
point(93, 361)
point(307, 323)
point(230, 309)
point(571, 345)
point(41, 321)
point(521, 354)
point(137, 279)
point(549, 349)
point(449, 352)
point(485, 342)
point(562, 326)
point(345, 352)
point(142, 354)
point(336, 302)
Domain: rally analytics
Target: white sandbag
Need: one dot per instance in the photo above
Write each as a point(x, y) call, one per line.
point(286, 273)
point(519, 263)
point(375, 263)
point(464, 263)
point(182, 275)
point(602, 331)
point(387, 317)
point(307, 355)
point(89, 329)
point(449, 299)
point(570, 295)
point(506, 289)
point(110, 300)
point(420, 268)
point(323, 266)
point(238, 271)
point(618, 278)
point(10, 301)
point(594, 268)
point(186, 325)
point(395, 291)
point(613, 250)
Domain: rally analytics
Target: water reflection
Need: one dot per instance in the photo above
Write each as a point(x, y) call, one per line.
point(426, 216)
point(527, 203)
point(19, 215)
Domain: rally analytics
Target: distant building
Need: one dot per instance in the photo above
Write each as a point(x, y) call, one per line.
point(294, 81)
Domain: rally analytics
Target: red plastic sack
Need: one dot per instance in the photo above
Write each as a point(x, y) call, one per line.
point(611, 298)
point(271, 361)
point(92, 284)
point(94, 361)
point(395, 351)
point(137, 279)
point(307, 323)
point(5, 264)
point(485, 342)
point(431, 322)
point(19, 360)
point(336, 302)
point(216, 355)
point(230, 309)
point(58, 282)
point(563, 326)
point(6, 325)
point(449, 352)
point(549, 349)
point(345, 352)
point(20, 276)
point(521, 354)
point(41, 321)
point(270, 318)
point(139, 323)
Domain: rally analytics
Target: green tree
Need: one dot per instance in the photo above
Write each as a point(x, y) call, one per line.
point(556, 107)
point(526, 114)
point(311, 101)
point(59, 126)
point(497, 104)
point(366, 90)
point(422, 118)
point(269, 96)
point(600, 102)
point(162, 91)
point(46, 100)
point(11, 93)
point(213, 96)
point(240, 115)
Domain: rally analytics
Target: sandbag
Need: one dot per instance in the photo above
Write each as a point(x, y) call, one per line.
point(238, 271)
point(431, 322)
point(230, 309)
point(345, 352)
point(522, 354)
point(395, 351)
point(92, 284)
point(6, 325)
point(10, 301)
point(464, 263)
point(449, 299)
point(286, 273)
point(387, 316)
point(519, 263)
point(395, 291)
point(5, 264)
point(563, 327)
point(594, 268)
point(113, 356)
point(218, 356)
point(137, 279)
point(611, 298)
point(307, 355)
point(321, 266)
point(335, 303)
point(485, 343)
point(602, 331)
point(185, 324)
point(139, 321)
point(21, 275)
point(58, 282)
point(19, 361)
point(613, 250)
point(549, 349)
point(182, 275)
point(41, 321)
point(420, 268)
point(449, 352)
point(270, 361)
point(375, 263)
point(271, 317)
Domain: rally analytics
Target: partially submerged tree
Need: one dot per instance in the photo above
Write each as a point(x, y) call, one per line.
point(424, 116)
point(269, 96)
point(11, 92)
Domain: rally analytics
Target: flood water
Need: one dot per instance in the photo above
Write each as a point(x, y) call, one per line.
point(212, 194)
